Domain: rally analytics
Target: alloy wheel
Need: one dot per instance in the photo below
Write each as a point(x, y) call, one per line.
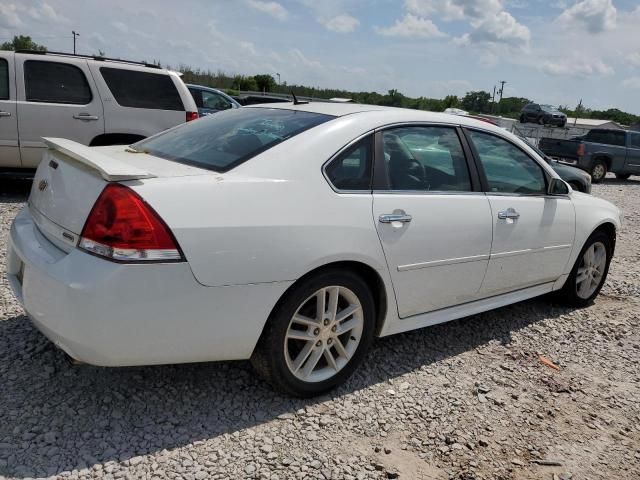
point(323, 334)
point(598, 172)
point(591, 270)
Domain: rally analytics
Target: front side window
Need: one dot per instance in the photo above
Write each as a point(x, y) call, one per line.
point(425, 159)
point(220, 142)
point(4, 79)
point(53, 82)
point(135, 89)
point(507, 168)
point(352, 169)
point(215, 101)
point(634, 140)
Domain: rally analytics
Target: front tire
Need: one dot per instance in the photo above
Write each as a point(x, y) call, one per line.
point(598, 171)
point(317, 335)
point(589, 272)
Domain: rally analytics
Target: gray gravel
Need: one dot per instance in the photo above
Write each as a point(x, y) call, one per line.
point(468, 399)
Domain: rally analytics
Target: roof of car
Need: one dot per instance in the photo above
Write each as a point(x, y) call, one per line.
point(412, 115)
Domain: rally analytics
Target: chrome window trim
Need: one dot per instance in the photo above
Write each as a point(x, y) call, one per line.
point(426, 192)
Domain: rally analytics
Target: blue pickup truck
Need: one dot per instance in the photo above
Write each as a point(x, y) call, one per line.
point(598, 152)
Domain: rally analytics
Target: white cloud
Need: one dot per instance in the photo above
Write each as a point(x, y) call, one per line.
point(300, 58)
point(595, 15)
point(632, 83)
point(9, 16)
point(501, 28)
point(274, 9)
point(490, 22)
point(577, 67)
point(342, 23)
point(411, 26)
point(634, 59)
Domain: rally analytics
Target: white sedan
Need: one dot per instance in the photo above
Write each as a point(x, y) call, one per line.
point(292, 235)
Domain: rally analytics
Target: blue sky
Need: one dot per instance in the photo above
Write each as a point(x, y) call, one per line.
point(552, 51)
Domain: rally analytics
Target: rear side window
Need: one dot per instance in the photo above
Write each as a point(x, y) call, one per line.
point(135, 89)
point(425, 159)
point(607, 137)
point(222, 141)
point(634, 140)
point(352, 169)
point(4, 79)
point(53, 82)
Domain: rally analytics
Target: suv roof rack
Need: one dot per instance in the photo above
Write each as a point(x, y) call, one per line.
point(93, 57)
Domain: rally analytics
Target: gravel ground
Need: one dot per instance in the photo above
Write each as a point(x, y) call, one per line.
point(464, 400)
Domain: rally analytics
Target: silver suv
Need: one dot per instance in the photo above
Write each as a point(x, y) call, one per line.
point(91, 100)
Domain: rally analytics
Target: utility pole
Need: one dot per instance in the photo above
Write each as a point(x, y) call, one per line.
point(278, 78)
point(500, 92)
point(493, 100)
point(75, 34)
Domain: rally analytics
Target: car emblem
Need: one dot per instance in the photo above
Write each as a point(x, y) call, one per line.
point(43, 185)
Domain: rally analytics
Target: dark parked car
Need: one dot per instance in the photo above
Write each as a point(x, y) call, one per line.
point(598, 152)
point(577, 178)
point(209, 100)
point(543, 115)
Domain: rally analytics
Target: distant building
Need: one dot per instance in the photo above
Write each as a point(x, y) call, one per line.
point(590, 123)
point(341, 100)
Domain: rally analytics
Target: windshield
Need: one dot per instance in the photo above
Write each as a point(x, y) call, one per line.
point(549, 108)
point(224, 140)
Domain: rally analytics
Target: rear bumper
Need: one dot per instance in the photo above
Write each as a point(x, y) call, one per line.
point(110, 314)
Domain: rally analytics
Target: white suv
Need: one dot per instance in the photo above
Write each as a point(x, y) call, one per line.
point(91, 100)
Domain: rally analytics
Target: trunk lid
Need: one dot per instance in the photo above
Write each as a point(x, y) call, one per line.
point(71, 176)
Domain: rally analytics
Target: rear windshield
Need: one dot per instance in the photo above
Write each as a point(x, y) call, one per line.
point(220, 142)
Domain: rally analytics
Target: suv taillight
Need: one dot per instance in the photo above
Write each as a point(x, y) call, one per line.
point(192, 116)
point(123, 227)
point(581, 150)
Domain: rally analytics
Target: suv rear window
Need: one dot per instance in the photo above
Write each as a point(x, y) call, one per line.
point(4, 79)
point(135, 89)
point(54, 82)
point(607, 137)
point(222, 141)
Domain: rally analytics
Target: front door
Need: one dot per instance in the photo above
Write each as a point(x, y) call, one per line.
point(9, 146)
point(633, 153)
point(434, 228)
point(533, 232)
point(56, 99)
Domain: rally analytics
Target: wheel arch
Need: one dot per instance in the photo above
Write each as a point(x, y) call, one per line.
point(604, 157)
point(609, 228)
point(370, 275)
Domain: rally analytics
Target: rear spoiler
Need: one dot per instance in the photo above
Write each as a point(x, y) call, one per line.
point(111, 169)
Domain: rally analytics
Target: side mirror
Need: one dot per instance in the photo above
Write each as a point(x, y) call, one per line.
point(557, 187)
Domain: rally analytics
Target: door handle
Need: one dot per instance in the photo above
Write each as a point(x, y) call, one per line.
point(508, 213)
point(395, 217)
point(5, 114)
point(85, 116)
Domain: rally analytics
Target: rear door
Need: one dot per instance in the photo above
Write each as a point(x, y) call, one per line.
point(138, 100)
point(56, 98)
point(533, 233)
point(433, 222)
point(633, 153)
point(9, 146)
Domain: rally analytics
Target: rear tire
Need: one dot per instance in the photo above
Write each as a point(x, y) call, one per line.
point(522, 119)
point(598, 171)
point(623, 176)
point(302, 351)
point(589, 272)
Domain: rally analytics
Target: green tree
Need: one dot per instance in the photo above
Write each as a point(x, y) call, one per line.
point(450, 101)
point(478, 102)
point(265, 82)
point(242, 82)
point(22, 42)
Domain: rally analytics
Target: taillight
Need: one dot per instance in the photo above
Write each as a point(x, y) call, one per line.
point(581, 150)
point(123, 227)
point(192, 116)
